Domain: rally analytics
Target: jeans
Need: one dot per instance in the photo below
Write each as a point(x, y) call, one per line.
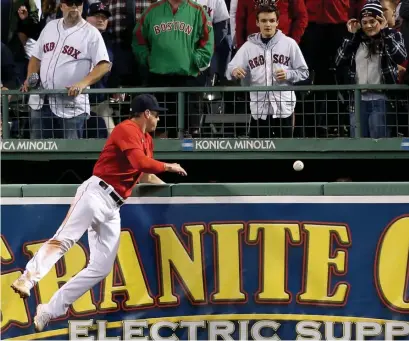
point(44, 125)
point(373, 119)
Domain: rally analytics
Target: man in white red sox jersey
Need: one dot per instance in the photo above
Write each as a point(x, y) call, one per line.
point(220, 17)
point(69, 54)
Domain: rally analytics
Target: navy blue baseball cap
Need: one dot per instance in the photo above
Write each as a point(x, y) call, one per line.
point(145, 102)
point(98, 7)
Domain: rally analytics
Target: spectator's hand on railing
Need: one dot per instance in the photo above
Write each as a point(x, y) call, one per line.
point(3, 88)
point(353, 26)
point(117, 98)
point(24, 87)
point(76, 89)
point(22, 12)
point(238, 73)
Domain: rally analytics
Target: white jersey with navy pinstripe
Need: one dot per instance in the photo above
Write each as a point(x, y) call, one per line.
point(216, 9)
point(67, 56)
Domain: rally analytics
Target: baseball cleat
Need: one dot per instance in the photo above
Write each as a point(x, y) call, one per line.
point(22, 286)
point(41, 319)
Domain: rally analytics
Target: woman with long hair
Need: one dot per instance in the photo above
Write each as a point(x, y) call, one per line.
point(373, 54)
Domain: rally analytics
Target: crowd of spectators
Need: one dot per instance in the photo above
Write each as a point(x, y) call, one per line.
point(198, 54)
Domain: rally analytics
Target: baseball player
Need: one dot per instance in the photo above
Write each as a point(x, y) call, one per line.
point(270, 58)
point(70, 53)
point(125, 160)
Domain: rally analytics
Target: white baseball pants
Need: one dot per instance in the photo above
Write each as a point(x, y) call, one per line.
point(93, 210)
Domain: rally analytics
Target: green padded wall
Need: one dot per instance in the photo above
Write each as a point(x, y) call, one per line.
point(217, 189)
point(49, 190)
point(10, 191)
point(367, 188)
point(252, 189)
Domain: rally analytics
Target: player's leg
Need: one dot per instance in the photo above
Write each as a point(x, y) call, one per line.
point(103, 241)
point(78, 219)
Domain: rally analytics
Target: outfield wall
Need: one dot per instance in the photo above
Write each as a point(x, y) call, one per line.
point(217, 189)
point(238, 261)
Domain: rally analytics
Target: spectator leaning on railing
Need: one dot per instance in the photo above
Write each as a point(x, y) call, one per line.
point(69, 54)
point(271, 58)
point(372, 54)
point(174, 39)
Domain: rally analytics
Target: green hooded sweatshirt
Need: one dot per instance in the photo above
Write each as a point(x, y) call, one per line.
point(178, 43)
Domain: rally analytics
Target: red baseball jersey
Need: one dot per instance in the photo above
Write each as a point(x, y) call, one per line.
point(113, 165)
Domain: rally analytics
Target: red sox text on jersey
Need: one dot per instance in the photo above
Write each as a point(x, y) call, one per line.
point(69, 50)
point(67, 55)
point(208, 10)
point(277, 59)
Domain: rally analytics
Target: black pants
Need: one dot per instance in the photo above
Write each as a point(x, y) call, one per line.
point(319, 46)
point(169, 121)
point(272, 127)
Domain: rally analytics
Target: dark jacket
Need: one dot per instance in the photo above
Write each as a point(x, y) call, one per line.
point(404, 29)
point(392, 53)
point(16, 25)
point(8, 68)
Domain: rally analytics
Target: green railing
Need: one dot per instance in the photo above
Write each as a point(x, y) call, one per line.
point(328, 146)
point(182, 92)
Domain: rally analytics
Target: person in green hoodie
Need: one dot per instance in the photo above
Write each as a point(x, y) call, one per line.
point(174, 40)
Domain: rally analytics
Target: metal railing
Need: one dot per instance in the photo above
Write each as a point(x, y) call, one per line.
point(320, 111)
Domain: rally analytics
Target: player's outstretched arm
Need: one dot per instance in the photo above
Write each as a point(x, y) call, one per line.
point(145, 164)
point(175, 168)
point(151, 179)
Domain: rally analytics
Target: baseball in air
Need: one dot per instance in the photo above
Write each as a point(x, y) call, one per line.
point(298, 165)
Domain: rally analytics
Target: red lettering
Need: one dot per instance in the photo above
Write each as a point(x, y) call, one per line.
point(169, 26)
point(65, 49)
point(287, 61)
point(182, 26)
point(261, 60)
point(275, 58)
point(189, 29)
point(281, 59)
point(163, 27)
point(75, 53)
point(156, 28)
point(52, 45)
point(70, 50)
point(251, 64)
point(255, 60)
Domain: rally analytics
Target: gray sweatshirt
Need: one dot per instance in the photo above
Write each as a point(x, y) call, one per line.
point(261, 61)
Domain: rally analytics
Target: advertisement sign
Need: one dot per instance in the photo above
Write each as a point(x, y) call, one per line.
point(232, 268)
